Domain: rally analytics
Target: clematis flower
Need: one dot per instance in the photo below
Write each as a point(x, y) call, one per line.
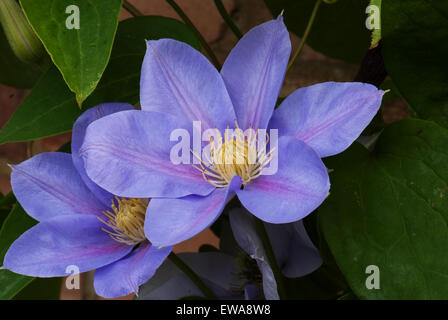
point(128, 153)
point(219, 272)
point(295, 253)
point(231, 274)
point(80, 224)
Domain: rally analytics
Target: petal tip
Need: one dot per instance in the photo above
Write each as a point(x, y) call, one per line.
point(280, 17)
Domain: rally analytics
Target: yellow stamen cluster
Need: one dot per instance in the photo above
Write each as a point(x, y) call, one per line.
point(126, 220)
point(236, 155)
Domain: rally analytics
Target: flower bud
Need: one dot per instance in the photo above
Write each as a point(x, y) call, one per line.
point(21, 37)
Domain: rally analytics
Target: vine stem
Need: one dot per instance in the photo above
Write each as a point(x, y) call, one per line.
point(201, 39)
point(192, 275)
point(225, 15)
point(87, 289)
point(129, 7)
point(305, 35)
point(279, 279)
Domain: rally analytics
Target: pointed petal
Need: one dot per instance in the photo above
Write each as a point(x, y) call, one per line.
point(245, 233)
point(254, 72)
point(126, 275)
point(328, 116)
point(47, 249)
point(179, 80)
point(78, 133)
point(48, 185)
point(170, 221)
point(128, 154)
point(295, 252)
point(299, 186)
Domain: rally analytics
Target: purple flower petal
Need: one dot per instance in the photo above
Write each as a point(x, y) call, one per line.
point(254, 72)
point(252, 292)
point(295, 252)
point(47, 249)
point(179, 80)
point(125, 276)
point(170, 221)
point(299, 186)
point(48, 185)
point(128, 154)
point(244, 231)
point(328, 116)
point(78, 133)
point(218, 270)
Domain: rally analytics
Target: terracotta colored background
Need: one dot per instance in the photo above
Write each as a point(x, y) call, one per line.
point(311, 67)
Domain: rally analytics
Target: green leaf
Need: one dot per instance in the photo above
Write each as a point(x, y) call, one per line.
point(41, 289)
point(14, 72)
point(339, 30)
point(415, 49)
point(208, 248)
point(50, 108)
point(389, 208)
point(376, 33)
point(15, 224)
point(348, 296)
point(314, 286)
point(80, 54)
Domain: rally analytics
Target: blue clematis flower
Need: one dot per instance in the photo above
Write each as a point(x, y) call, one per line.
point(295, 253)
point(80, 224)
point(128, 153)
point(219, 271)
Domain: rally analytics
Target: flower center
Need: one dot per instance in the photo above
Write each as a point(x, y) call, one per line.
point(239, 153)
point(126, 220)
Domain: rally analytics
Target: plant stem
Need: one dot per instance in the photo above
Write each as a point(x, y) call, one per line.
point(29, 148)
point(201, 39)
point(87, 289)
point(225, 15)
point(305, 35)
point(129, 7)
point(192, 275)
point(279, 279)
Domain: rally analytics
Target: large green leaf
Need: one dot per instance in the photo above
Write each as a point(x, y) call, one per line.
point(414, 34)
point(376, 33)
point(389, 208)
point(14, 72)
point(339, 30)
point(15, 224)
point(41, 289)
point(50, 108)
point(80, 54)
